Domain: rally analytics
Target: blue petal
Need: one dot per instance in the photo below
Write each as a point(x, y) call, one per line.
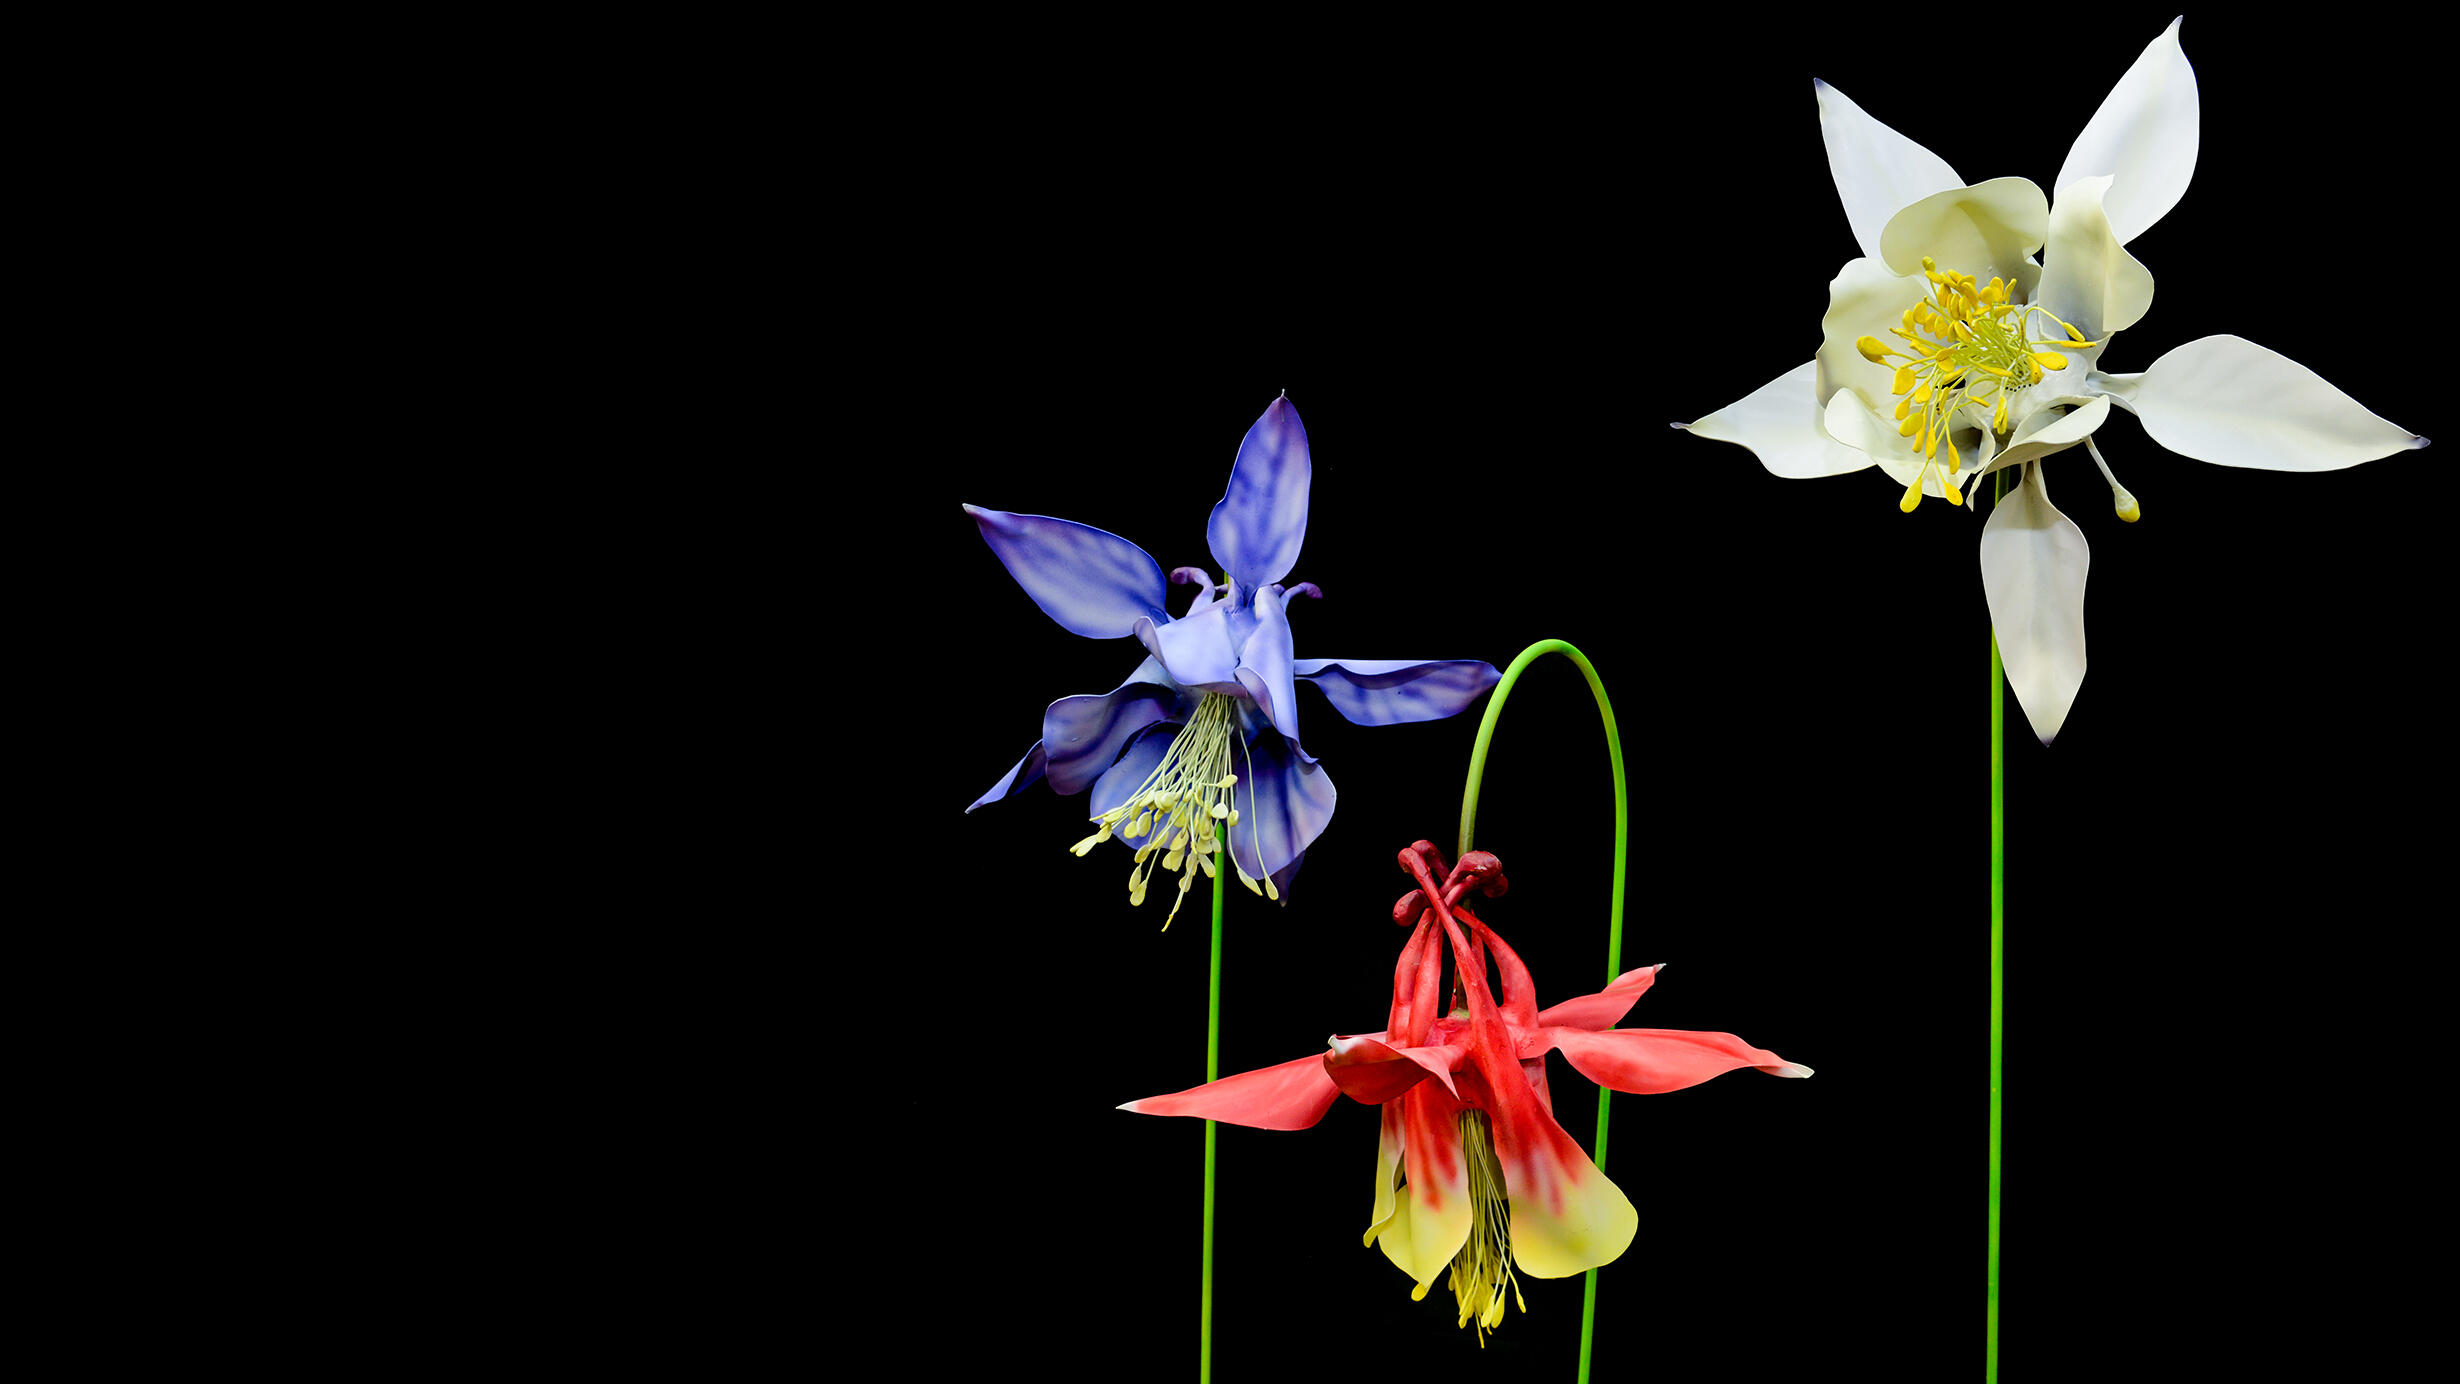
point(1093, 583)
point(1123, 778)
point(1264, 669)
point(1082, 735)
point(1386, 692)
point(1019, 778)
point(1283, 804)
point(1262, 518)
point(1202, 650)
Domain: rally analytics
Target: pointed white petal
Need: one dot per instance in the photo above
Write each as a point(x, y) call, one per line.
point(2225, 399)
point(2033, 564)
point(2144, 137)
point(1877, 170)
point(1779, 422)
point(2087, 276)
point(1986, 230)
point(2047, 431)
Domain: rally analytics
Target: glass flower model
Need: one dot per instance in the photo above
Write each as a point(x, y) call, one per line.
point(1205, 729)
point(1472, 1173)
point(1948, 353)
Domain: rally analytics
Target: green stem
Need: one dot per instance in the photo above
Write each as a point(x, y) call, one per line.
point(1212, 1070)
point(1998, 920)
point(1614, 923)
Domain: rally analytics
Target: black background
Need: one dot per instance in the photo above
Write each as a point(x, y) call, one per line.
point(1488, 289)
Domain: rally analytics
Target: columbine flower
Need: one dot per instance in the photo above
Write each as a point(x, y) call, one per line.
point(1950, 353)
point(1209, 721)
point(1472, 1174)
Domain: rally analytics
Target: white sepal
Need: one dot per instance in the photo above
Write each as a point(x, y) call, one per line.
point(2226, 400)
point(2034, 561)
point(1779, 423)
point(1877, 170)
point(2144, 137)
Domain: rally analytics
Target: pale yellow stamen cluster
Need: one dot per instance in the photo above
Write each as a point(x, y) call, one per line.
point(1483, 1268)
point(1966, 344)
point(1175, 808)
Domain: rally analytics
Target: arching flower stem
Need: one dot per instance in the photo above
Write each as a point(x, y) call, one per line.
point(1614, 916)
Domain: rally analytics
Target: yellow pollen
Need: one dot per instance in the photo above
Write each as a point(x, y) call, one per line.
point(2050, 360)
point(1873, 349)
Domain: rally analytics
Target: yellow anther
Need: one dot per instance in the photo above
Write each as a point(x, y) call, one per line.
point(1913, 497)
point(1909, 426)
point(1904, 379)
point(2128, 509)
point(2050, 360)
point(1228, 781)
point(1873, 349)
point(1998, 420)
point(1091, 841)
point(1922, 395)
point(1954, 496)
point(1221, 811)
point(1963, 332)
point(1929, 263)
point(1903, 407)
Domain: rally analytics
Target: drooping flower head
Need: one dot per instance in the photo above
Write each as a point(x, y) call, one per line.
point(1205, 730)
point(1474, 1178)
point(1950, 352)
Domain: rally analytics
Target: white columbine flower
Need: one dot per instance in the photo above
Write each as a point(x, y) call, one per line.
point(1949, 352)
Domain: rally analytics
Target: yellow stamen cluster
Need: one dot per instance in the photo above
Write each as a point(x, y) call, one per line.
point(1483, 1268)
point(1175, 808)
point(1965, 344)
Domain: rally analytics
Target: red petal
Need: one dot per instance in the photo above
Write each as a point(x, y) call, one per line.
point(1371, 1071)
point(1607, 1007)
point(1646, 1061)
point(1293, 1095)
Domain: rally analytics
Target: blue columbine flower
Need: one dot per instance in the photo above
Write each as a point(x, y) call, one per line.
point(1206, 728)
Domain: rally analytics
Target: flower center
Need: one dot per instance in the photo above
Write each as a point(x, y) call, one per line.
point(1483, 1268)
point(1966, 344)
point(1175, 809)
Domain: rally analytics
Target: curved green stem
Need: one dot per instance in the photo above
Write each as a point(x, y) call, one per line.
point(1614, 917)
point(1212, 1070)
point(1998, 920)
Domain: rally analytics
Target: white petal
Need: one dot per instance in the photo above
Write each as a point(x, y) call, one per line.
point(2045, 432)
point(1865, 299)
point(1877, 170)
point(1857, 426)
point(1779, 422)
point(2087, 276)
point(2225, 399)
point(2144, 136)
point(1984, 230)
point(2033, 564)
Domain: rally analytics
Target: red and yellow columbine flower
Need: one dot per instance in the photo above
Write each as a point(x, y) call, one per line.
point(1473, 1174)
